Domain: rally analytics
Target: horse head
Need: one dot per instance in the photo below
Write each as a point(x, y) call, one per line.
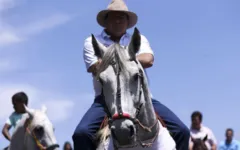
point(39, 130)
point(125, 90)
point(199, 144)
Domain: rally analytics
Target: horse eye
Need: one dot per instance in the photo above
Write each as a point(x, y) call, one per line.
point(39, 131)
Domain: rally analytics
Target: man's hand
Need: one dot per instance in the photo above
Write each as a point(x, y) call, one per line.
point(5, 132)
point(190, 145)
point(146, 60)
point(93, 69)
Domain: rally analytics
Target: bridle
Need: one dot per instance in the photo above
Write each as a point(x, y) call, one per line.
point(38, 142)
point(122, 115)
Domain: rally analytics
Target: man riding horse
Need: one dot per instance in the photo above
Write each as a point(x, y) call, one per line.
point(115, 21)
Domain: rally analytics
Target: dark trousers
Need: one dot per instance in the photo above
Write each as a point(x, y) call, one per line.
point(91, 121)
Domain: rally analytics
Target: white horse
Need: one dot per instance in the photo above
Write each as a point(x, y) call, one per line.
point(132, 121)
point(34, 132)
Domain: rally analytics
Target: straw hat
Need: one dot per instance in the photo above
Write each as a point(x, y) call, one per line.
point(120, 6)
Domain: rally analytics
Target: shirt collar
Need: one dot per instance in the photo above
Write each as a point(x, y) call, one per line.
point(232, 142)
point(105, 35)
point(201, 127)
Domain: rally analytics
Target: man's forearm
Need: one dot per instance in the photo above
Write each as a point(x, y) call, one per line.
point(94, 67)
point(6, 135)
point(214, 147)
point(146, 60)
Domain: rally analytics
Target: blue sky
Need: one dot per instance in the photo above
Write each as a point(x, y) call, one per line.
point(196, 45)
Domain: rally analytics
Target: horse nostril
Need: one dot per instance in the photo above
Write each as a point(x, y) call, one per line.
point(113, 128)
point(131, 131)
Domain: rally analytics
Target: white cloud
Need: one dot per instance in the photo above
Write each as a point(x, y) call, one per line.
point(58, 109)
point(9, 37)
point(6, 4)
point(45, 24)
point(20, 34)
point(12, 34)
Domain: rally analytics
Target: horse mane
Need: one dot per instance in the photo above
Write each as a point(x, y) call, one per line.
point(115, 54)
point(17, 134)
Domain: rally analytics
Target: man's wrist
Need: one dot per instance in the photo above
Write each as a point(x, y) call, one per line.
point(96, 67)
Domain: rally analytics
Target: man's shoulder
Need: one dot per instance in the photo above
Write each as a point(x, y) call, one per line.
point(143, 37)
point(223, 144)
point(205, 128)
point(89, 38)
point(17, 115)
point(12, 115)
point(101, 39)
point(236, 142)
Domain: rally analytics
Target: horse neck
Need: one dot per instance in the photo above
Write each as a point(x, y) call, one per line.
point(17, 140)
point(149, 112)
point(21, 140)
point(29, 143)
point(147, 115)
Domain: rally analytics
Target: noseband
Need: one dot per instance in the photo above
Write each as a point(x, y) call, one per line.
point(121, 115)
point(38, 143)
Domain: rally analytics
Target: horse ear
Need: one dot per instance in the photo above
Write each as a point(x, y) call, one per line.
point(98, 47)
point(135, 44)
point(205, 138)
point(44, 109)
point(29, 111)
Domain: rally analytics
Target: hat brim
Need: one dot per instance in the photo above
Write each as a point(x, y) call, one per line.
point(132, 17)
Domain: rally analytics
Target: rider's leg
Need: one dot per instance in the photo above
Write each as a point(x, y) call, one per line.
point(84, 134)
point(179, 131)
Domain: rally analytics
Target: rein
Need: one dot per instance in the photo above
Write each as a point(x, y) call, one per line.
point(120, 114)
point(37, 141)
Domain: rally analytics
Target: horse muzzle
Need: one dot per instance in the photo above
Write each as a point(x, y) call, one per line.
point(124, 131)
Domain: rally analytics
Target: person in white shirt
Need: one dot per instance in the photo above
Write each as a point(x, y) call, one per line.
point(115, 21)
point(200, 131)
